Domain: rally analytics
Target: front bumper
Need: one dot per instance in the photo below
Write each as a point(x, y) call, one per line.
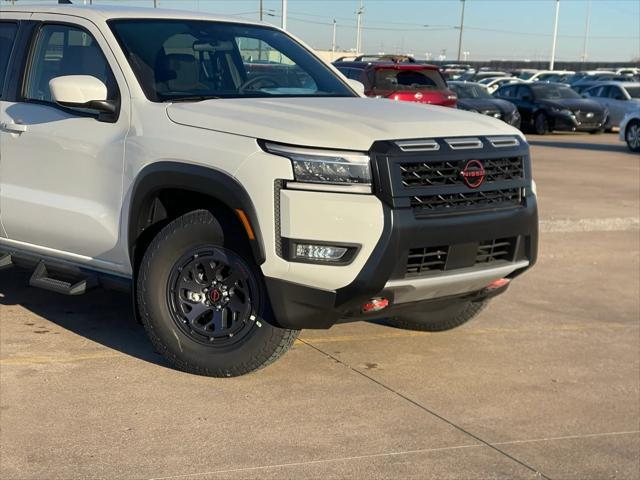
point(572, 124)
point(384, 273)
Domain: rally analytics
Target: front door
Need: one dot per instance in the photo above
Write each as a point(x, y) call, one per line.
point(62, 169)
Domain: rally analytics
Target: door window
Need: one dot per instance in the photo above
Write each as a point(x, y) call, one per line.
point(604, 92)
point(62, 50)
point(524, 92)
point(507, 92)
point(616, 93)
point(7, 38)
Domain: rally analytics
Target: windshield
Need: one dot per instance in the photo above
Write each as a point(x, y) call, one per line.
point(470, 91)
point(553, 92)
point(525, 75)
point(193, 59)
point(408, 79)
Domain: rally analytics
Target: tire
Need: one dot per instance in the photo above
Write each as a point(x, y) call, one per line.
point(632, 136)
point(541, 124)
point(203, 302)
point(446, 318)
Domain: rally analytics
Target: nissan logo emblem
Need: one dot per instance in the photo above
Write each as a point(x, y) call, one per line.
point(473, 174)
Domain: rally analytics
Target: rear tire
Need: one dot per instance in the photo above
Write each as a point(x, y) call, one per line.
point(632, 136)
point(203, 302)
point(447, 318)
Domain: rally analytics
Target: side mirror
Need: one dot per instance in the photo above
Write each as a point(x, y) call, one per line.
point(526, 98)
point(357, 86)
point(81, 91)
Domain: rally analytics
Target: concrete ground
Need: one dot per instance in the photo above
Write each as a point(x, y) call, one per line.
point(545, 383)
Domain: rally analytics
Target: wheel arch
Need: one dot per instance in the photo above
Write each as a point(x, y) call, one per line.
point(148, 207)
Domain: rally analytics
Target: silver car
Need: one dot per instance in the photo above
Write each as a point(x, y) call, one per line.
point(620, 98)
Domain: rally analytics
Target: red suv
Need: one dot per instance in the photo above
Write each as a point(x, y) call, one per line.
point(408, 82)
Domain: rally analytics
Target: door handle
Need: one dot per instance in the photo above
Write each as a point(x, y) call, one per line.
point(12, 127)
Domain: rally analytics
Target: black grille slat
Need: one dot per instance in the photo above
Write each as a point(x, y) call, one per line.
point(496, 250)
point(427, 174)
point(428, 259)
point(436, 204)
point(431, 260)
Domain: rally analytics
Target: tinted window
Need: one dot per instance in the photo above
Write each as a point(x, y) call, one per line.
point(469, 90)
point(616, 93)
point(553, 92)
point(7, 37)
point(634, 92)
point(507, 92)
point(176, 59)
point(523, 91)
point(62, 50)
point(408, 79)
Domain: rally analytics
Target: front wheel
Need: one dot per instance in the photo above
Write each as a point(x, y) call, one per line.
point(447, 318)
point(632, 136)
point(541, 124)
point(203, 303)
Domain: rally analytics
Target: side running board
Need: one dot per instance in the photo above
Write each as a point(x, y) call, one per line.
point(65, 284)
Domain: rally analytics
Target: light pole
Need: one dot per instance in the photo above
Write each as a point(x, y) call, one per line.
point(586, 32)
point(261, 10)
point(359, 28)
point(333, 41)
point(284, 14)
point(555, 37)
point(461, 30)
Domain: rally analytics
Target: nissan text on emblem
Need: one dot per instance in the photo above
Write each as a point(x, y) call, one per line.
point(473, 174)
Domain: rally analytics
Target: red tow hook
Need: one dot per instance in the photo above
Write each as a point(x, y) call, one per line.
point(501, 282)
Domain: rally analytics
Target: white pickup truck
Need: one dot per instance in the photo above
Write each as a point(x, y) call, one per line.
point(242, 188)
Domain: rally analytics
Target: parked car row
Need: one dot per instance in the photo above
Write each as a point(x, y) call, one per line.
point(535, 100)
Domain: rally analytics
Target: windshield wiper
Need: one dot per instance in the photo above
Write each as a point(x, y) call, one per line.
point(193, 98)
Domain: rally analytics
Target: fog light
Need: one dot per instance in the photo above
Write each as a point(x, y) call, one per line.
point(375, 305)
point(325, 253)
point(501, 282)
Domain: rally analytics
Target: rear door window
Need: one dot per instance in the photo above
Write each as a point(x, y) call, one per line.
point(408, 79)
point(8, 31)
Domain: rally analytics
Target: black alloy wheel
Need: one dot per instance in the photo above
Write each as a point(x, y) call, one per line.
point(211, 296)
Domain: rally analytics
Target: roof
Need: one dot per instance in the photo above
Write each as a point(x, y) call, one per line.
point(614, 83)
point(101, 13)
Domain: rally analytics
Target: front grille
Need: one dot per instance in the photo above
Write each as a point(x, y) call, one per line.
point(425, 174)
point(430, 260)
point(583, 117)
point(426, 259)
point(470, 200)
point(496, 250)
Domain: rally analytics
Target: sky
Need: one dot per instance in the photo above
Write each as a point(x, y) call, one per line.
point(494, 29)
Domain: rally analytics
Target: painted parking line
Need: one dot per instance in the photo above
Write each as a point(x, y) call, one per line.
point(388, 454)
point(608, 224)
point(49, 359)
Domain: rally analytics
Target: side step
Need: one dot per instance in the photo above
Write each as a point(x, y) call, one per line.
point(65, 284)
point(5, 261)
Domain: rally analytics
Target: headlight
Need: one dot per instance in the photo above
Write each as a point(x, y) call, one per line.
point(325, 166)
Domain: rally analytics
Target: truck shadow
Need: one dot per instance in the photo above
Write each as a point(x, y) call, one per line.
point(101, 316)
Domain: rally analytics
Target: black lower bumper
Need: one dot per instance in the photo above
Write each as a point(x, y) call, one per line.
point(299, 306)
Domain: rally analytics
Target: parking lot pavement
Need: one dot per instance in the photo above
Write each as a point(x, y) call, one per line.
point(545, 383)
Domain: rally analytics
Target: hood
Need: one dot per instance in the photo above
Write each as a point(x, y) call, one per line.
point(341, 123)
point(491, 104)
point(574, 104)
